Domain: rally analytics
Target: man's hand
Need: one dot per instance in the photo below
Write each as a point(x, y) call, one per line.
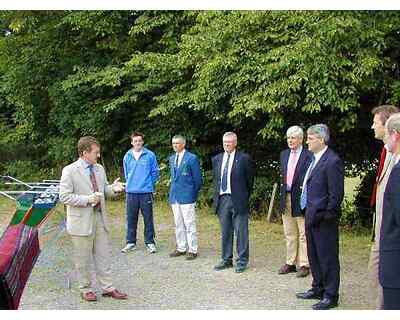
point(117, 186)
point(94, 199)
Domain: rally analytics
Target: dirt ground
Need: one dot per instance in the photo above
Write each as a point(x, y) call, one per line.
point(155, 281)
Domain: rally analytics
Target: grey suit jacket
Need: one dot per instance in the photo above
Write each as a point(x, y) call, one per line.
point(75, 188)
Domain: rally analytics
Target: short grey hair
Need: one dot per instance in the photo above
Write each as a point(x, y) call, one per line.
point(229, 134)
point(295, 131)
point(180, 137)
point(393, 123)
point(321, 130)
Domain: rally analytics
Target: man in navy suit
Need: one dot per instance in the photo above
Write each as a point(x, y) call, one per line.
point(233, 182)
point(322, 195)
point(294, 162)
point(389, 244)
point(186, 182)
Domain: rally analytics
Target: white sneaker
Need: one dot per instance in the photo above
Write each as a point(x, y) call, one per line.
point(128, 247)
point(151, 248)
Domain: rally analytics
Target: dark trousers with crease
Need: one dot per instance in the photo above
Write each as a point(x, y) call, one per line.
point(323, 255)
point(144, 203)
point(231, 223)
point(391, 298)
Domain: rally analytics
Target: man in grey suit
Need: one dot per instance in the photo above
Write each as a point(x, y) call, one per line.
point(83, 186)
point(386, 163)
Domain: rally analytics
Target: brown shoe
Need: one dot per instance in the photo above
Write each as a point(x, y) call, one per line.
point(89, 296)
point(287, 268)
point(191, 256)
point(115, 294)
point(177, 253)
point(303, 272)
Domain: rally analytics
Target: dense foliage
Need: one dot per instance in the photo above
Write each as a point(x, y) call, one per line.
point(65, 74)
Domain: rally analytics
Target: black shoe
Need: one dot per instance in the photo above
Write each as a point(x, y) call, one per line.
point(287, 268)
point(191, 256)
point(177, 253)
point(310, 294)
point(240, 268)
point(223, 265)
point(325, 304)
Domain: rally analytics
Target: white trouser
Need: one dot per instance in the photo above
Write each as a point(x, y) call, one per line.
point(185, 226)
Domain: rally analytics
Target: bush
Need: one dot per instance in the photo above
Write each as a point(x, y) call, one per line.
point(26, 170)
point(362, 199)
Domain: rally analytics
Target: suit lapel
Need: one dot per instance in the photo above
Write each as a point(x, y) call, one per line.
point(319, 164)
point(285, 164)
point(235, 163)
point(82, 172)
point(299, 165)
point(386, 166)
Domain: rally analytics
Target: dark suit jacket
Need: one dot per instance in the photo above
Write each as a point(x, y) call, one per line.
point(242, 180)
point(325, 190)
point(389, 246)
point(299, 173)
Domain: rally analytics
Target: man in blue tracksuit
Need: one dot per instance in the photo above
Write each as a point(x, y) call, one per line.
point(141, 174)
point(186, 182)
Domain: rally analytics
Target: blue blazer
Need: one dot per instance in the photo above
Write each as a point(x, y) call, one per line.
point(389, 245)
point(242, 180)
point(325, 190)
point(186, 180)
point(297, 183)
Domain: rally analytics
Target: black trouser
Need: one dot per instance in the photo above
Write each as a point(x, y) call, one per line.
point(391, 298)
point(323, 255)
point(232, 223)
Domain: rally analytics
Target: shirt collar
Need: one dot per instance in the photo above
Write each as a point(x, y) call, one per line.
point(85, 164)
point(298, 150)
point(232, 154)
point(319, 154)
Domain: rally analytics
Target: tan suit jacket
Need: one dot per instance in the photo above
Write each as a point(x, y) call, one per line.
point(75, 188)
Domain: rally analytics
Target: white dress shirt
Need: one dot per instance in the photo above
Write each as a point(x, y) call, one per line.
point(230, 164)
point(317, 156)
point(180, 157)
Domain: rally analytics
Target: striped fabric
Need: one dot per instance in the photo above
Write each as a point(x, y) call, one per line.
point(19, 250)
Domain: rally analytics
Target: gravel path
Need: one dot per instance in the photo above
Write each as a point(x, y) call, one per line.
point(155, 281)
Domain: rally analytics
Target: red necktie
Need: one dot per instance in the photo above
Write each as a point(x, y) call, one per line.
point(378, 176)
point(94, 183)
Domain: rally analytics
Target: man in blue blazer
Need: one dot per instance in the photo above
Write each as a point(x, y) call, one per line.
point(322, 195)
point(294, 163)
point(389, 244)
point(233, 173)
point(185, 184)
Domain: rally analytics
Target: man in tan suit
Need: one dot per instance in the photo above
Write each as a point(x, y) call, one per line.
point(387, 161)
point(83, 188)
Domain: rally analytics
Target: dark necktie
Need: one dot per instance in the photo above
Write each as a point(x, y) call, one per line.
point(94, 183)
point(224, 183)
point(177, 160)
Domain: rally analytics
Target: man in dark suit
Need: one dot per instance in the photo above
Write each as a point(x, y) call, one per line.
point(294, 162)
point(185, 185)
point(233, 182)
point(322, 195)
point(389, 244)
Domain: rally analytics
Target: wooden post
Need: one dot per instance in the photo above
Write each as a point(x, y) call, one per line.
point(271, 202)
